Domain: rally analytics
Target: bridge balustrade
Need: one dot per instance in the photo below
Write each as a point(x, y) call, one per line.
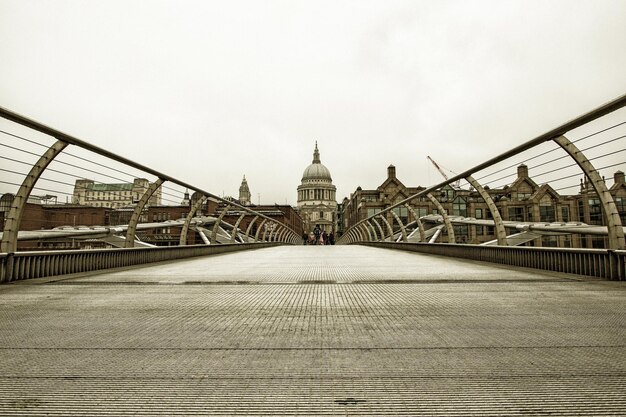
point(28, 265)
point(135, 204)
point(570, 158)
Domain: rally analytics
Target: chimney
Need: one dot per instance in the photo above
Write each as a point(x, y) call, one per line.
point(618, 177)
point(522, 171)
point(391, 171)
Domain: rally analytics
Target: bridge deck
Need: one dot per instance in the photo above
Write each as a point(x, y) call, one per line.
point(314, 331)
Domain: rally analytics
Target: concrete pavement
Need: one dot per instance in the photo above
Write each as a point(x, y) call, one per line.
point(341, 330)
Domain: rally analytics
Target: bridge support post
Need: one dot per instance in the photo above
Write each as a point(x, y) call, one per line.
point(233, 235)
point(367, 230)
point(258, 230)
point(402, 229)
point(380, 229)
point(217, 224)
point(446, 219)
point(192, 212)
point(613, 221)
point(389, 227)
point(12, 223)
point(495, 213)
point(372, 229)
point(249, 228)
point(134, 219)
point(420, 226)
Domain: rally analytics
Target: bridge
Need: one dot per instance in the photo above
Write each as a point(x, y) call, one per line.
point(326, 330)
point(239, 318)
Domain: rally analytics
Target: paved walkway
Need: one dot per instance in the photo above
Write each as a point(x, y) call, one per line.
point(340, 330)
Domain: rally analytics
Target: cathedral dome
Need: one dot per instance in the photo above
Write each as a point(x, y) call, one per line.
point(316, 171)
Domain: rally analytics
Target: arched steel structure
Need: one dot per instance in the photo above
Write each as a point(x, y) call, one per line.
point(192, 212)
point(495, 213)
point(614, 223)
point(420, 226)
point(134, 219)
point(446, 219)
point(614, 226)
point(63, 140)
point(12, 222)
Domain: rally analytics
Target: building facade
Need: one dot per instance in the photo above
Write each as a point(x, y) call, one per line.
point(523, 201)
point(90, 193)
point(317, 203)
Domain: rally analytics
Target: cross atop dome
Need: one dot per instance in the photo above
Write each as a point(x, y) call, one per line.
point(316, 155)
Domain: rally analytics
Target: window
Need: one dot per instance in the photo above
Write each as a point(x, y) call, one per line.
point(321, 215)
point(516, 214)
point(546, 213)
point(565, 214)
point(372, 211)
point(479, 213)
point(595, 211)
point(581, 211)
point(549, 241)
point(459, 207)
point(403, 213)
point(620, 203)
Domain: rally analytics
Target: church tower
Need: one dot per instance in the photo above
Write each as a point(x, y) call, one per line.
point(316, 196)
point(244, 193)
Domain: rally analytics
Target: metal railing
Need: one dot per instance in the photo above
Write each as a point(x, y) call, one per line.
point(554, 136)
point(29, 265)
point(38, 157)
point(606, 264)
point(604, 148)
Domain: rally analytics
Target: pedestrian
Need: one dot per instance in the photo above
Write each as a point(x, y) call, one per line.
point(324, 238)
point(331, 238)
point(305, 237)
point(317, 232)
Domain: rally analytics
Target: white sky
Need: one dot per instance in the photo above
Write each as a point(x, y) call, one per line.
point(207, 91)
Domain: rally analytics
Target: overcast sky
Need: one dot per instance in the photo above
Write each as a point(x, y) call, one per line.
point(207, 91)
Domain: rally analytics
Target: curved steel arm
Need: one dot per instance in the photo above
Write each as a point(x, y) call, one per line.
point(495, 213)
point(12, 223)
point(258, 230)
point(446, 219)
point(134, 219)
point(367, 230)
point(420, 226)
point(217, 224)
point(233, 235)
point(389, 227)
point(380, 229)
point(613, 221)
point(192, 212)
point(371, 227)
point(249, 228)
point(402, 228)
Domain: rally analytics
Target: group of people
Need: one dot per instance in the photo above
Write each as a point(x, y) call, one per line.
point(318, 237)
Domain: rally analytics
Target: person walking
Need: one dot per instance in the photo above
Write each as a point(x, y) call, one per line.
point(305, 237)
point(324, 238)
point(317, 232)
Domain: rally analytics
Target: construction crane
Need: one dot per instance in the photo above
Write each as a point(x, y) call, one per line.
point(457, 183)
